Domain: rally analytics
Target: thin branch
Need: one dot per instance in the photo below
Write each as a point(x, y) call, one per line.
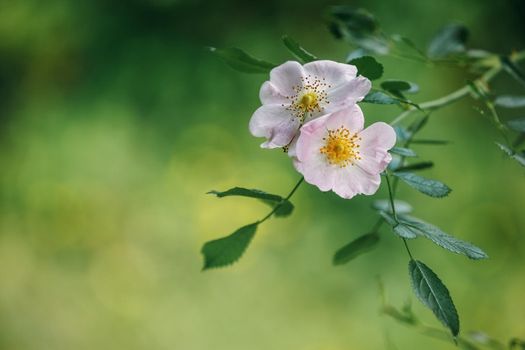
point(458, 94)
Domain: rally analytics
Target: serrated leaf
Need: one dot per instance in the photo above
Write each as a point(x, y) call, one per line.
point(519, 157)
point(429, 187)
point(367, 66)
point(449, 40)
point(227, 250)
point(402, 207)
point(405, 152)
point(247, 192)
point(355, 248)
point(241, 61)
point(415, 166)
point(398, 227)
point(298, 51)
point(511, 68)
point(433, 294)
point(379, 97)
point(400, 86)
point(441, 238)
point(510, 101)
point(404, 231)
point(517, 124)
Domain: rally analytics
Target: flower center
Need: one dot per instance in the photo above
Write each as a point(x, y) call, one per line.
point(309, 101)
point(310, 96)
point(341, 147)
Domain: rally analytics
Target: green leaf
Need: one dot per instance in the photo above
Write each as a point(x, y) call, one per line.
point(513, 69)
point(510, 101)
point(398, 227)
point(402, 133)
point(355, 248)
point(429, 187)
point(449, 40)
point(285, 209)
point(519, 157)
point(241, 61)
point(517, 124)
point(299, 52)
point(402, 207)
point(227, 250)
point(405, 152)
point(285, 206)
point(403, 43)
point(442, 239)
point(378, 97)
point(359, 27)
point(399, 86)
point(434, 294)
point(516, 343)
point(415, 166)
point(246, 192)
point(367, 66)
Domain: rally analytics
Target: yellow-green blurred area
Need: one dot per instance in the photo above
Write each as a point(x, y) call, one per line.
point(115, 121)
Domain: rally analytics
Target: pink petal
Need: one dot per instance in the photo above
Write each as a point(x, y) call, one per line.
point(269, 94)
point(285, 77)
point(274, 123)
point(348, 93)
point(310, 139)
point(377, 139)
point(316, 172)
point(352, 180)
point(335, 73)
point(350, 117)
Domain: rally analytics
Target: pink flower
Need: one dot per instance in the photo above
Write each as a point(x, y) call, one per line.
point(296, 94)
point(334, 153)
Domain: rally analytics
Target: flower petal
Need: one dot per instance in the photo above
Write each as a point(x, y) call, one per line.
point(316, 172)
point(348, 93)
point(285, 77)
point(377, 139)
point(275, 123)
point(310, 138)
point(269, 94)
point(334, 73)
point(350, 117)
point(352, 180)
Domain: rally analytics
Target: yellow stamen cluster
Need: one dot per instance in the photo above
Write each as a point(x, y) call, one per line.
point(309, 96)
point(341, 147)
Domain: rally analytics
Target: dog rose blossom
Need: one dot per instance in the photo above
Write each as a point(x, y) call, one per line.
point(296, 94)
point(333, 152)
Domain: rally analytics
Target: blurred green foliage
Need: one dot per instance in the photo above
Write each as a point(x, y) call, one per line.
point(114, 123)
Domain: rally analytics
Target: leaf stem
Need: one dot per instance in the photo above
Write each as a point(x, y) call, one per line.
point(393, 207)
point(391, 196)
point(281, 202)
point(408, 249)
point(458, 94)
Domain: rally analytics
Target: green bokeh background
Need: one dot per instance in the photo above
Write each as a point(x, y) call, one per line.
point(115, 122)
